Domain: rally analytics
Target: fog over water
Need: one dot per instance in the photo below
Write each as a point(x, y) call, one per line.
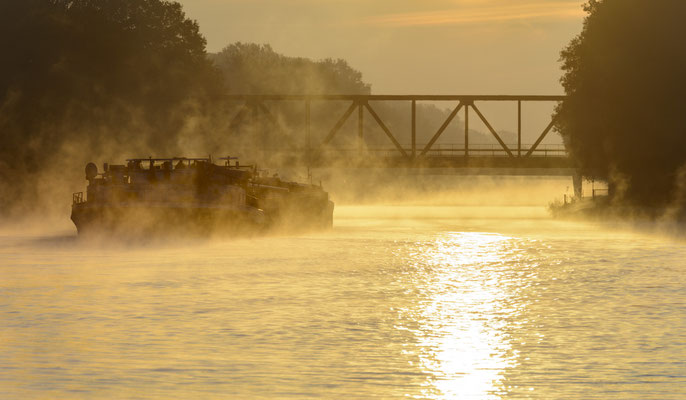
point(428, 286)
point(445, 296)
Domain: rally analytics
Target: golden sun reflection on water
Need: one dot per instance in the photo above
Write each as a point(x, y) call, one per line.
point(466, 349)
point(377, 308)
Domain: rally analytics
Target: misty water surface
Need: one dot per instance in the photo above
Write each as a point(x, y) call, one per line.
point(423, 302)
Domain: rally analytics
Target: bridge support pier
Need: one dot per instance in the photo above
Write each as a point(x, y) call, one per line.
point(578, 181)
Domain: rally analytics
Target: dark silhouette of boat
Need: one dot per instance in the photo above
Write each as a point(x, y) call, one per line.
point(194, 195)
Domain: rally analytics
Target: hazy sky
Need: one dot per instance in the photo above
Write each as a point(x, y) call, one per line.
point(410, 46)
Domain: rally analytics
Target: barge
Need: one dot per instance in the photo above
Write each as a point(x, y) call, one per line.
point(195, 195)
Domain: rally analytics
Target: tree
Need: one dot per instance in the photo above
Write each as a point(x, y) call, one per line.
point(624, 75)
point(251, 68)
point(92, 77)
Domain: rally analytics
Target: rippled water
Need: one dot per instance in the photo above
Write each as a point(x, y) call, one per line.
point(394, 302)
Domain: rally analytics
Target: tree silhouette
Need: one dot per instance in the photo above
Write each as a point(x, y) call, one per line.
point(94, 72)
point(624, 119)
point(251, 68)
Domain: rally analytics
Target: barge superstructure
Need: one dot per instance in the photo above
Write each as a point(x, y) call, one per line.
point(182, 195)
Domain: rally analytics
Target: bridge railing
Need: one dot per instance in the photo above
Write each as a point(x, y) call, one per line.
point(455, 150)
point(495, 150)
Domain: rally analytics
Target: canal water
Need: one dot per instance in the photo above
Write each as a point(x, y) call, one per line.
point(397, 301)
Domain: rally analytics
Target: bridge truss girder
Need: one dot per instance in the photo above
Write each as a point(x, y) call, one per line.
point(254, 105)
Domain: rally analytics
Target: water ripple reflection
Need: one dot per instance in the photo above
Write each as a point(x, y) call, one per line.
point(465, 285)
point(432, 309)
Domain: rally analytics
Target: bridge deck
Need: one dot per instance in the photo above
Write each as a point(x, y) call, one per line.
point(483, 164)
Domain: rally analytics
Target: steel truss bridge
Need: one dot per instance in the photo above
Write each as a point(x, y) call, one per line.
point(501, 158)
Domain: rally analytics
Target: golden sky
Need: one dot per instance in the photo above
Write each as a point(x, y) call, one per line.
point(410, 46)
point(481, 12)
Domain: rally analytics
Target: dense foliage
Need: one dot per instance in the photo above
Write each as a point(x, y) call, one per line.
point(90, 74)
point(251, 68)
point(624, 117)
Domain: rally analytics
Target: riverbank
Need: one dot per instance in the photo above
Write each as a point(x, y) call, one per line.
point(603, 209)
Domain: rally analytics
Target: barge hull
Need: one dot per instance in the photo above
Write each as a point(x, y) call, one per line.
point(135, 221)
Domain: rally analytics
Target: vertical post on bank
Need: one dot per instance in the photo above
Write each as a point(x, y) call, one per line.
point(519, 128)
point(577, 182)
point(414, 128)
point(466, 130)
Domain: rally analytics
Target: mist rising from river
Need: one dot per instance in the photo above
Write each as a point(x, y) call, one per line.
point(428, 301)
